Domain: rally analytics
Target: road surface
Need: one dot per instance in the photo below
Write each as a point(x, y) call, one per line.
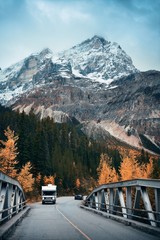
point(67, 221)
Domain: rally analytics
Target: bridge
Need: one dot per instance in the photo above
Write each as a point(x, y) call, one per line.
point(135, 205)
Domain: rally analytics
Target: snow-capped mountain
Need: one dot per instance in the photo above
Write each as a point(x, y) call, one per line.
point(94, 83)
point(19, 78)
point(97, 59)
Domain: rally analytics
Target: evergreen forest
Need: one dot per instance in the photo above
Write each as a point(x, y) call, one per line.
point(54, 149)
point(61, 150)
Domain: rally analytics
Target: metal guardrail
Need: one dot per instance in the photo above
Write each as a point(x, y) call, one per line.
point(12, 198)
point(137, 199)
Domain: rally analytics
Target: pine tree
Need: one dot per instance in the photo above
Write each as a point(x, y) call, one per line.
point(37, 186)
point(156, 169)
point(8, 153)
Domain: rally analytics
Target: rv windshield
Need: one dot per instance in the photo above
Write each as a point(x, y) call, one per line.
point(47, 193)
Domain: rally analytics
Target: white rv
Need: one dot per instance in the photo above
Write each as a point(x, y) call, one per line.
point(49, 194)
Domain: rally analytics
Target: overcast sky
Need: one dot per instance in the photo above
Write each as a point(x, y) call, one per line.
point(28, 26)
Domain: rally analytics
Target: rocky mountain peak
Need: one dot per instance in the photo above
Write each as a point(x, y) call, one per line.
point(95, 59)
point(46, 53)
point(98, 59)
point(94, 80)
point(96, 42)
point(99, 39)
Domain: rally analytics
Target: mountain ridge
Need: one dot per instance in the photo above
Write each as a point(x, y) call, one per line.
point(93, 81)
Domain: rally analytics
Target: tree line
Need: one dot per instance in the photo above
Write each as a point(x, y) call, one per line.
point(130, 167)
point(42, 151)
point(53, 149)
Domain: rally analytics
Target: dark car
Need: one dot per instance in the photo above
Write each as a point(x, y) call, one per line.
point(78, 197)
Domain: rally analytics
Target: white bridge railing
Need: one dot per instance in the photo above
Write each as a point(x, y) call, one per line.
point(137, 199)
point(12, 199)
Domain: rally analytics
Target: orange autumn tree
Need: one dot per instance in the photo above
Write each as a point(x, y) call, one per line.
point(49, 180)
point(105, 172)
point(78, 183)
point(26, 178)
point(8, 153)
point(131, 169)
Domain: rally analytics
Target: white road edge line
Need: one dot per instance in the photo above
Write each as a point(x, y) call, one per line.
point(74, 225)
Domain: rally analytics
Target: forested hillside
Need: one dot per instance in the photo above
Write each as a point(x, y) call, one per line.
point(55, 149)
point(63, 151)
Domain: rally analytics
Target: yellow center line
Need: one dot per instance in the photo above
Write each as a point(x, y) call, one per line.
point(74, 225)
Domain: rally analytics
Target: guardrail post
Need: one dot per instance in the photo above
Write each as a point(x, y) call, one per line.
point(103, 203)
point(4, 199)
point(17, 200)
point(129, 202)
point(96, 201)
point(14, 199)
point(115, 201)
point(148, 206)
point(1, 200)
point(10, 191)
point(99, 197)
point(93, 201)
point(111, 195)
point(121, 199)
point(157, 204)
point(106, 195)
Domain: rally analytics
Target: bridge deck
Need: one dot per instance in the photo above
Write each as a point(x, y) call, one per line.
point(67, 221)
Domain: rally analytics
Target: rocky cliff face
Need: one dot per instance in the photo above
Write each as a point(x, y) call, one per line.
point(94, 83)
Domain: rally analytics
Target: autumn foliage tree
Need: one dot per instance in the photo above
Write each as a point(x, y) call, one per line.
point(105, 172)
point(130, 168)
point(49, 180)
point(63, 149)
point(78, 183)
point(26, 178)
point(8, 153)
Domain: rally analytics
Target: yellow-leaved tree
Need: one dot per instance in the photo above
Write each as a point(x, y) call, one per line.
point(26, 178)
point(8, 153)
point(49, 180)
point(78, 183)
point(131, 169)
point(105, 172)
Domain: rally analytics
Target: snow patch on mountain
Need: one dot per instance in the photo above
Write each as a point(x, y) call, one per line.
point(98, 60)
point(11, 72)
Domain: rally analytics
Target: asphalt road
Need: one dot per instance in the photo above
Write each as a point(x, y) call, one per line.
point(67, 221)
